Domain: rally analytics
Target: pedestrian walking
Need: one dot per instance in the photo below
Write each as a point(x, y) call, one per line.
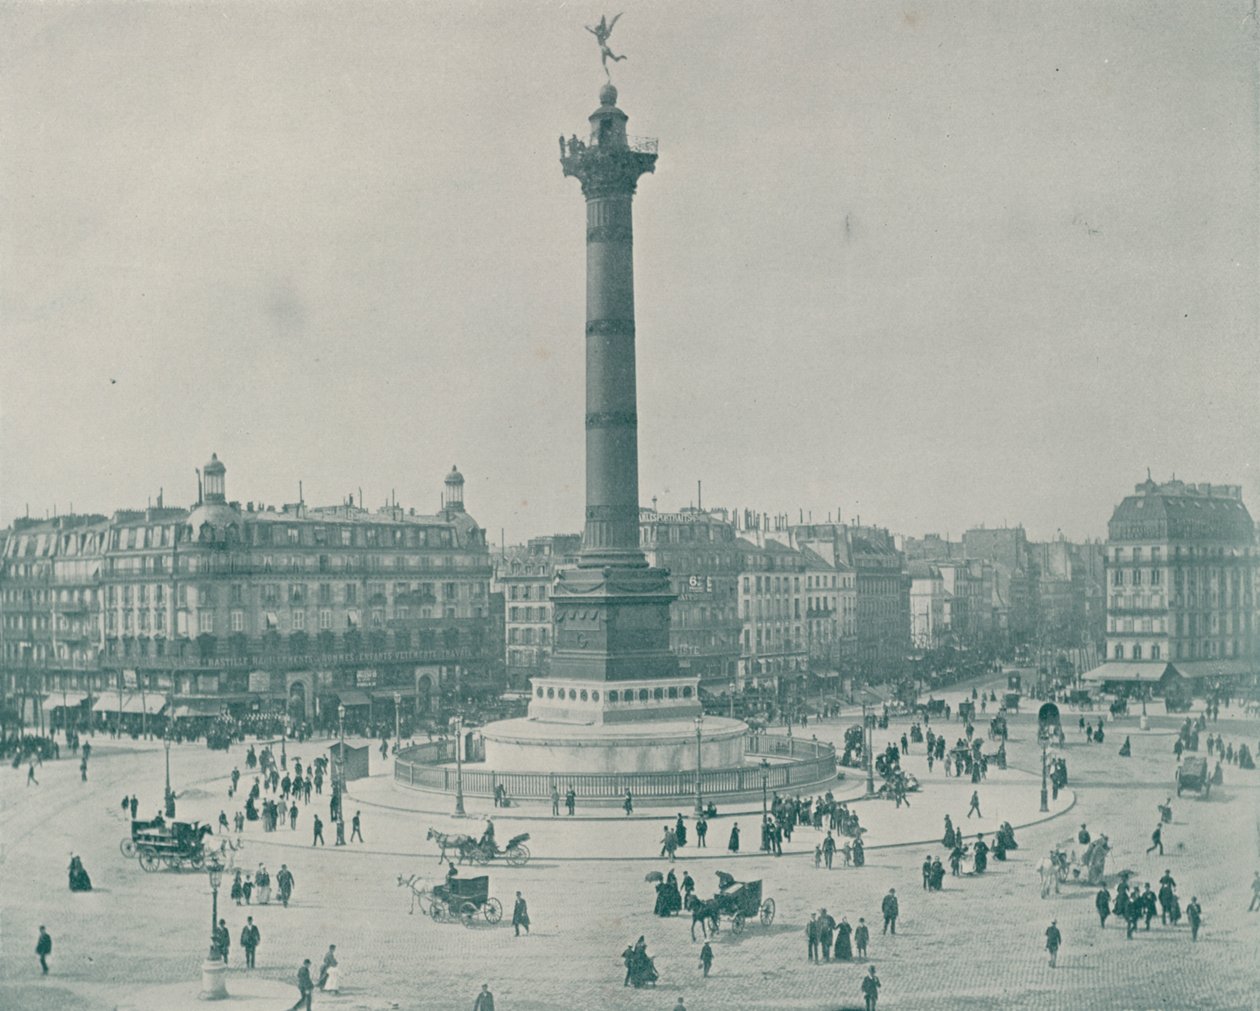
point(702, 831)
point(1053, 940)
point(1157, 840)
point(224, 939)
point(284, 881)
point(811, 938)
point(733, 843)
point(1255, 894)
point(238, 888)
point(304, 985)
point(861, 937)
point(135, 805)
point(628, 804)
point(975, 804)
point(485, 999)
point(249, 940)
point(890, 909)
point(318, 838)
point(1194, 913)
point(706, 958)
point(555, 800)
point(829, 850)
point(570, 801)
point(43, 948)
point(30, 775)
point(355, 829)
point(870, 989)
point(328, 966)
point(520, 915)
point(826, 931)
point(1102, 902)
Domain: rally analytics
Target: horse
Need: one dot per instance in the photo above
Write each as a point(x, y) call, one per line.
point(418, 891)
point(1051, 870)
point(461, 844)
point(704, 912)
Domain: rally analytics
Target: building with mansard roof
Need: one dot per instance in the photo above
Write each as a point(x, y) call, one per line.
point(246, 608)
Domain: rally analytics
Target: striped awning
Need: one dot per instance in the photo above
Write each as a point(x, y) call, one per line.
point(1134, 672)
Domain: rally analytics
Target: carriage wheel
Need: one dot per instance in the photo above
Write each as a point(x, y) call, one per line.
point(767, 912)
point(518, 855)
point(492, 910)
point(467, 913)
point(737, 923)
point(437, 910)
point(128, 848)
point(149, 860)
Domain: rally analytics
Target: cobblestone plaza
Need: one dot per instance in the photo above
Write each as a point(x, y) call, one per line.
point(137, 940)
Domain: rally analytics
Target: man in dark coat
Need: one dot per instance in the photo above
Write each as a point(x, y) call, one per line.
point(305, 986)
point(870, 989)
point(826, 930)
point(811, 938)
point(927, 873)
point(1102, 902)
point(702, 830)
point(284, 881)
point(1149, 905)
point(891, 908)
point(223, 939)
point(1194, 912)
point(520, 915)
point(249, 940)
point(43, 948)
point(1054, 940)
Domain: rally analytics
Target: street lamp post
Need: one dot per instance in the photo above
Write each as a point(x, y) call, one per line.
point(867, 720)
point(1045, 800)
point(284, 738)
point(765, 805)
point(213, 969)
point(341, 746)
point(458, 723)
point(397, 722)
point(699, 767)
point(169, 795)
point(731, 701)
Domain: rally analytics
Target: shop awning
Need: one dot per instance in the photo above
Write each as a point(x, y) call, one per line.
point(351, 697)
point(198, 707)
point(56, 700)
point(151, 704)
point(108, 703)
point(1131, 673)
point(1212, 669)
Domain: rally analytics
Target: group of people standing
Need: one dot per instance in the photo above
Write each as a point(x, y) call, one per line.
point(826, 939)
point(1134, 904)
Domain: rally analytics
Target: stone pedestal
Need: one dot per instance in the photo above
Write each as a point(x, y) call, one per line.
point(213, 980)
point(1144, 722)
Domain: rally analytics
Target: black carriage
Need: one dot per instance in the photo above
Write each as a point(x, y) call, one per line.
point(465, 899)
point(1192, 774)
point(1011, 701)
point(1080, 698)
point(932, 707)
point(966, 711)
point(998, 728)
point(1048, 723)
point(741, 901)
point(158, 843)
point(515, 852)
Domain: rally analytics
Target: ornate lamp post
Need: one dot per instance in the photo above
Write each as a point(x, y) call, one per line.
point(458, 723)
point(213, 969)
point(765, 801)
point(169, 794)
point(1045, 801)
point(868, 723)
point(699, 767)
point(397, 722)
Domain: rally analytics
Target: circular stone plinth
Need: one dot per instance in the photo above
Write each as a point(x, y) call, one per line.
point(531, 745)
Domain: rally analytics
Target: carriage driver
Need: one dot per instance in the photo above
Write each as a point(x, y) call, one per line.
point(487, 837)
point(452, 873)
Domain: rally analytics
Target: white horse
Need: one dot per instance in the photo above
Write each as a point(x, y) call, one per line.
point(1048, 868)
point(419, 891)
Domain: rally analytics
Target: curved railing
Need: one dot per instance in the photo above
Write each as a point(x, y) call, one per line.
point(797, 764)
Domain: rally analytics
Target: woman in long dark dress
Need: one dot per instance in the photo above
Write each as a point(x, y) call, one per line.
point(844, 949)
point(79, 880)
point(859, 852)
point(733, 845)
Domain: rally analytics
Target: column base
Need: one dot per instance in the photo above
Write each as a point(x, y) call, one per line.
point(213, 981)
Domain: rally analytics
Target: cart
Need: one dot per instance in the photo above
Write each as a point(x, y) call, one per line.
point(741, 900)
point(465, 899)
point(1192, 774)
point(1011, 701)
point(176, 845)
point(515, 852)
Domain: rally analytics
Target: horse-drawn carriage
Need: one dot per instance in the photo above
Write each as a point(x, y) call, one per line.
point(1081, 699)
point(1192, 774)
point(159, 843)
point(932, 707)
point(741, 901)
point(483, 850)
point(1011, 701)
point(998, 728)
point(465, 898)
point(966, 711)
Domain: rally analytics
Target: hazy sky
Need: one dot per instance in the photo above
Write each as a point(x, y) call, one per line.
point(937, 264)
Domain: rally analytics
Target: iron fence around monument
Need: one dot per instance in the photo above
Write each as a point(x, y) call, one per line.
point(802, 764)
